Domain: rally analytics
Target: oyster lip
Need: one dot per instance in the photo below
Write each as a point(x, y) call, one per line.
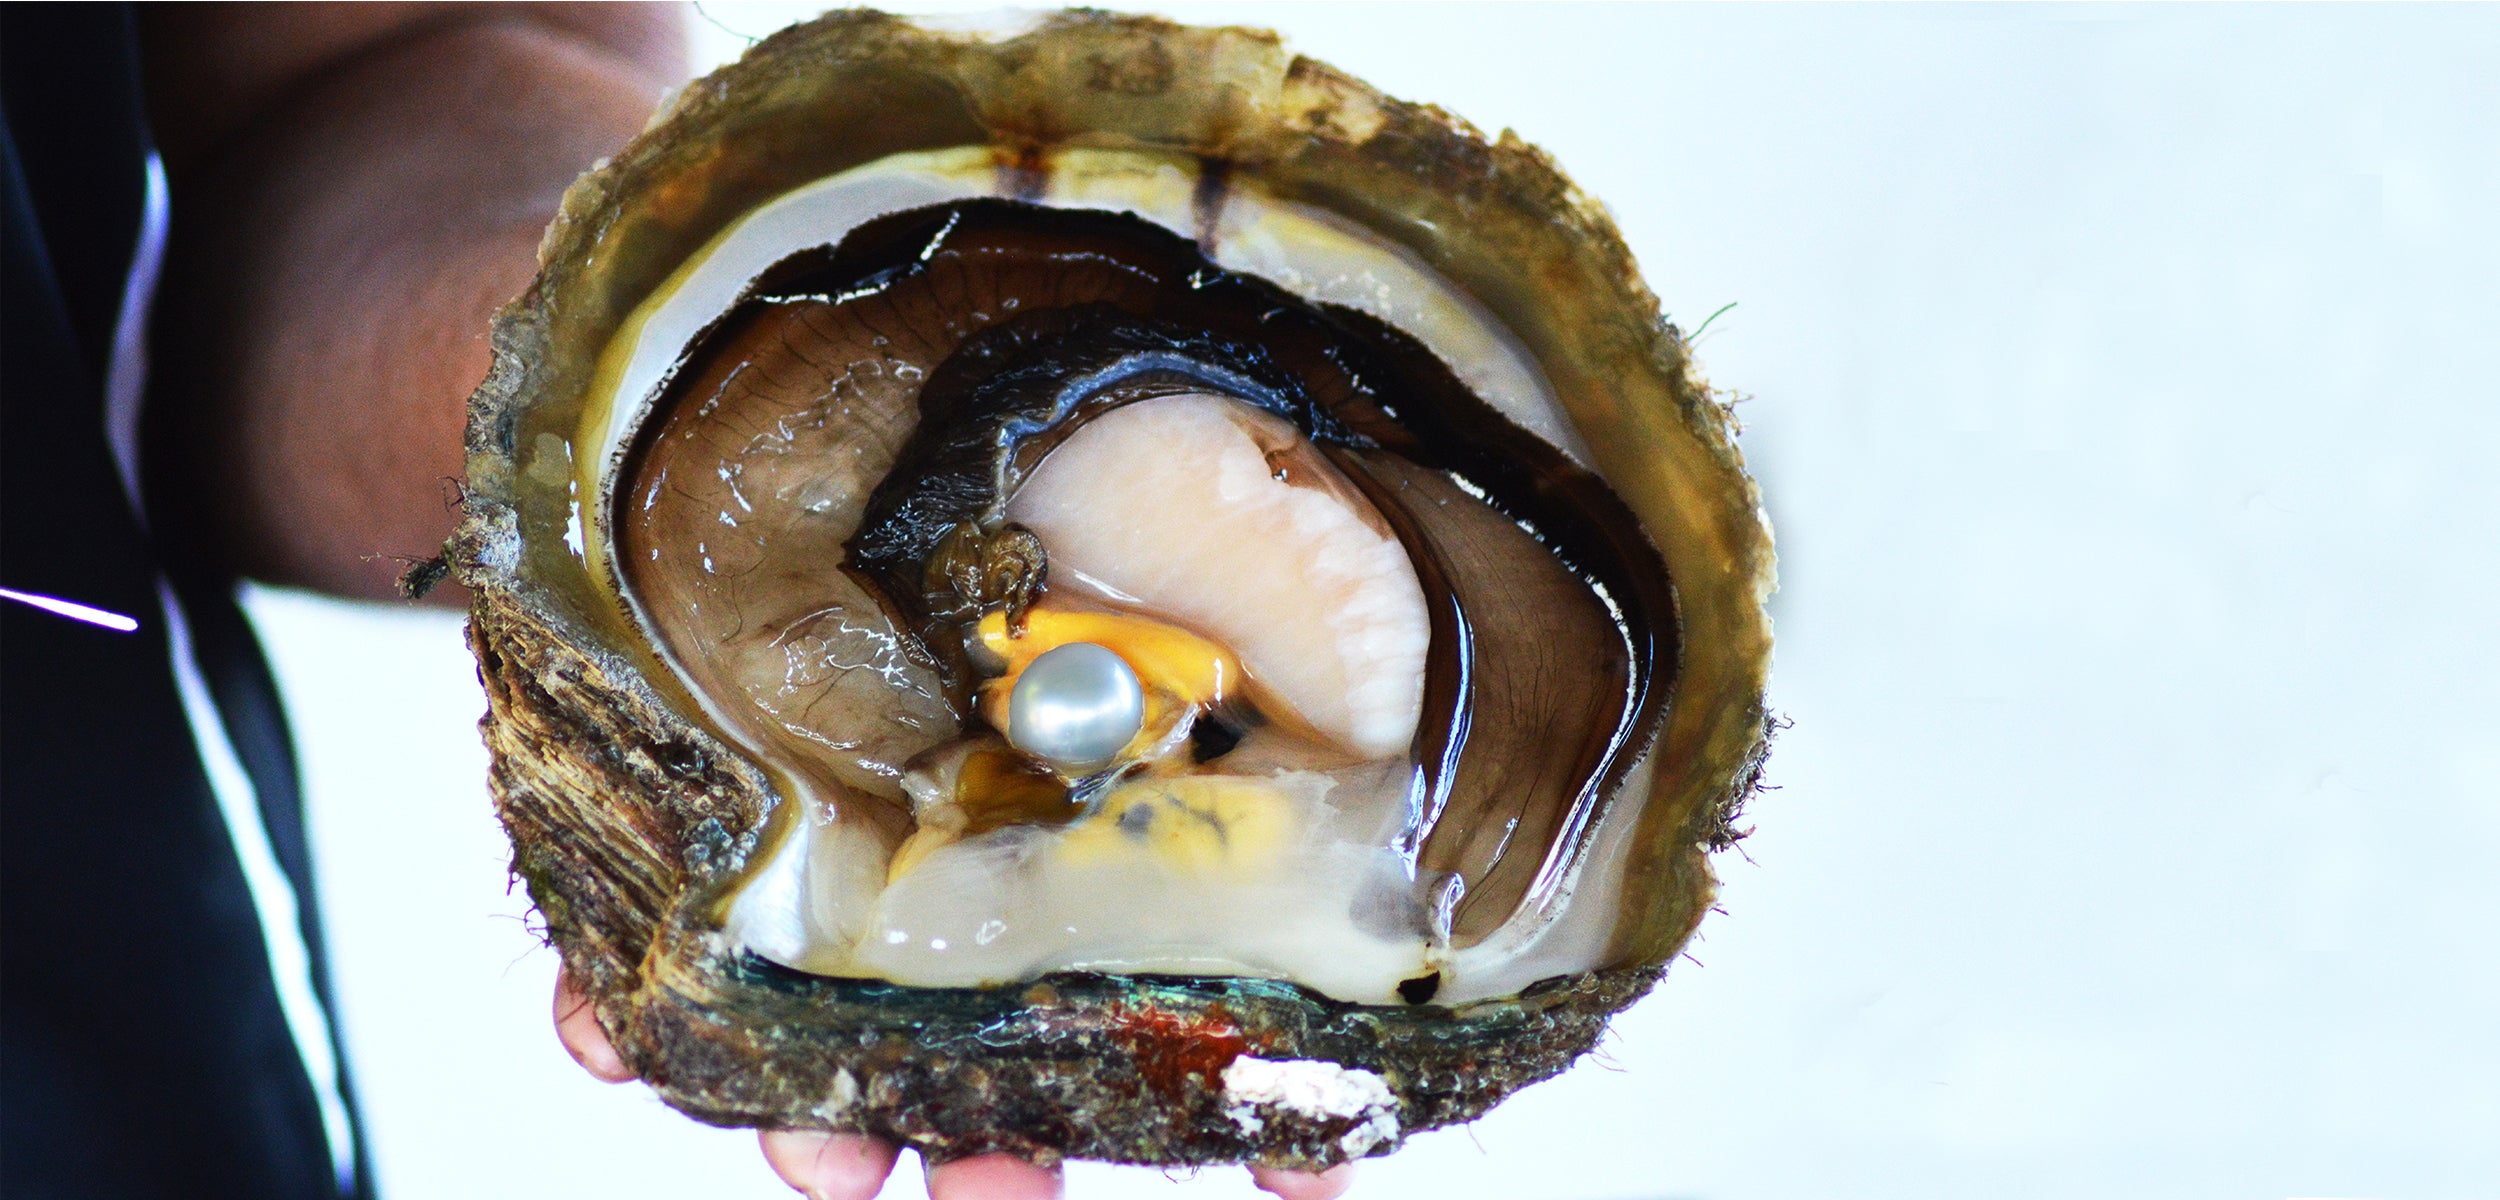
point(627, 816)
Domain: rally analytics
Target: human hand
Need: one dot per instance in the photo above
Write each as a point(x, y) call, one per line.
point(850, 1166)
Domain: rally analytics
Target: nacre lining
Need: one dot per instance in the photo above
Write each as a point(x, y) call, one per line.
point(815, 896)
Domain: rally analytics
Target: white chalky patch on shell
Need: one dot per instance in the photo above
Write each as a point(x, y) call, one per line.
point(1313, 1088)
point(841, 1097)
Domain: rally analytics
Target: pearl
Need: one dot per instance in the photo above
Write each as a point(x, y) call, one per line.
point(1076, 706)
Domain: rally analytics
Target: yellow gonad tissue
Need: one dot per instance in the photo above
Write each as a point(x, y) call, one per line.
point(1226, 825)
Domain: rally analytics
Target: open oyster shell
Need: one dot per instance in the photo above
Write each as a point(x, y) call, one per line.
point(642, 817)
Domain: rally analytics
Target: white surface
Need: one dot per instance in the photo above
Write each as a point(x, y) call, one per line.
point(1258, 1090)
point(2125, 397)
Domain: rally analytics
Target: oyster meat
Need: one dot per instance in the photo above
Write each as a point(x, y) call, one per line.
point(1056, 592)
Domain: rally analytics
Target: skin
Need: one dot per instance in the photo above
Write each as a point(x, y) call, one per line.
point(356, 189)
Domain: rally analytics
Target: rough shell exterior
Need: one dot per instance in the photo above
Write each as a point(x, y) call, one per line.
point(629, 819)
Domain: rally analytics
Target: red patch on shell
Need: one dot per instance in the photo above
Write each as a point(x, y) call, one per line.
point(1171, 1048)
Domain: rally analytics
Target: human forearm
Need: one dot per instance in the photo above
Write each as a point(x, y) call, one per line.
point(336, 256)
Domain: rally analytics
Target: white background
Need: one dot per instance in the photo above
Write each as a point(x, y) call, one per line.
point(2124, 393)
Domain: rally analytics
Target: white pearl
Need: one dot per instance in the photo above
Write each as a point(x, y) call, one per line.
point(1076, 705)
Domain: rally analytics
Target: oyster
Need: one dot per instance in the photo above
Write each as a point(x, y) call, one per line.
point(1107, 592)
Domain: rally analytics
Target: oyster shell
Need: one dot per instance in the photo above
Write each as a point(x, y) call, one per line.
point(654, 804)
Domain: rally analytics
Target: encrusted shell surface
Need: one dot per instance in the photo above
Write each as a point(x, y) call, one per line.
point(627, 816)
